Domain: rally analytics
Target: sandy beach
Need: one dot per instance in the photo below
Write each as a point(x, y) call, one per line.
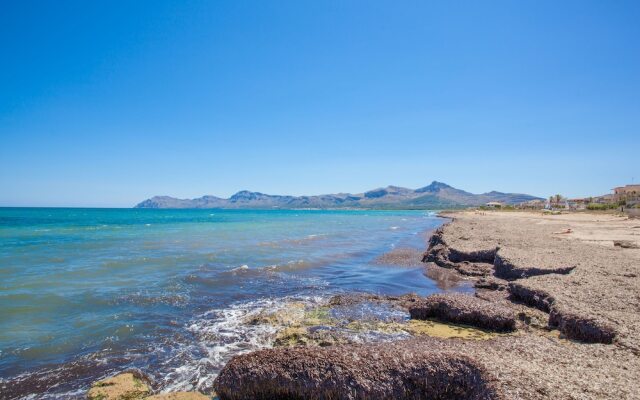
point(573, 269)
point(570, 292)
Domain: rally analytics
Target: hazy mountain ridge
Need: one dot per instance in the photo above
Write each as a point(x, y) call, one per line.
point(435, 195)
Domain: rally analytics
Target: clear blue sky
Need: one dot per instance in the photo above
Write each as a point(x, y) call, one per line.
point(106, 103)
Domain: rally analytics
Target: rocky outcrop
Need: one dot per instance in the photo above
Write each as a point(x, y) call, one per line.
point(464, 309)
point(400, 370)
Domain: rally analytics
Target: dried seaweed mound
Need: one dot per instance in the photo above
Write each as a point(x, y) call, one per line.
point(534, 297)
point(573, 324)
point(400, 370)
point(507, 268)
point(579, 327)
point(464, 309)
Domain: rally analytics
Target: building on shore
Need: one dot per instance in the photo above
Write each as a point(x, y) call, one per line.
point(604, 199)
point(628, 195)
point(537, 204)
point(494, 204)
point(578, 203)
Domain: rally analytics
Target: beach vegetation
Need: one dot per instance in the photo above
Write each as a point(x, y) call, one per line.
point(602, 206)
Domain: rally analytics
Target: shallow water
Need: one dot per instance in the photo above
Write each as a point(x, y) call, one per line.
point(87, 292)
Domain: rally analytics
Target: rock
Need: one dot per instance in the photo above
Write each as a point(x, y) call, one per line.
point(125, 386)
point(398, 370)
point(463, 309)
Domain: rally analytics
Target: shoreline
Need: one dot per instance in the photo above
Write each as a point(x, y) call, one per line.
point(538, 324)
point(573, 337)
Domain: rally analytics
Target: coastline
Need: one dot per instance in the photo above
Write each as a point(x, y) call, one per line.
point(536, 313)
point(561, 276)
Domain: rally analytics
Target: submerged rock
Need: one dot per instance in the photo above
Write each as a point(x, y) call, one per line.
point(464, 309)
point(399, 370)
point(292, 314)
point(311, 336)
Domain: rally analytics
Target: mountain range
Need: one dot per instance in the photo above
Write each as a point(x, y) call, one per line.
point(436, 195)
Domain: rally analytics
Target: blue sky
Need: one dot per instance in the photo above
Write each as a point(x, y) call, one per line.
point(108, 103)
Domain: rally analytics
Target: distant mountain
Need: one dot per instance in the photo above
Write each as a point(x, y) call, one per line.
point(437, 195)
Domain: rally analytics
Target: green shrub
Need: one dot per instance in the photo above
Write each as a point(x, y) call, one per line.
point(600, 206)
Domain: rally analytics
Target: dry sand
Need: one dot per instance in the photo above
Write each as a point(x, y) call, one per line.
point(590, 287)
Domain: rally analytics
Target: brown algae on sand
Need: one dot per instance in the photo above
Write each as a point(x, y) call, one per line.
point(445, 331)
point(127, 386)
point(122, 386)
point(430, 328)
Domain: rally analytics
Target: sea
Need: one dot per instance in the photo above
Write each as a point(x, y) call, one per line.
point(86, 293)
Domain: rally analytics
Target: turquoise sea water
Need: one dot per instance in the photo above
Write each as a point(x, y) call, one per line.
point(86, 292)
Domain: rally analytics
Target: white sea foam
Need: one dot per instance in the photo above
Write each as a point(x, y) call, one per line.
point(221, 334)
